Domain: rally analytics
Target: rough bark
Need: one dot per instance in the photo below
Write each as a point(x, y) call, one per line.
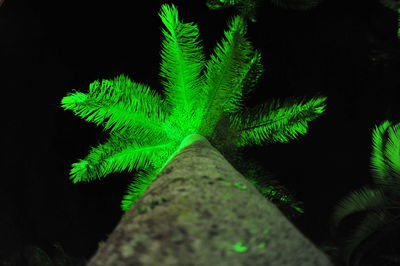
point(201, 211)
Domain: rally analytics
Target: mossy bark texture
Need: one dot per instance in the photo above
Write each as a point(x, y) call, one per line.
point(201, 211)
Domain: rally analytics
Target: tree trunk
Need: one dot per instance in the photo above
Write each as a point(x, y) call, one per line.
point(201, 211)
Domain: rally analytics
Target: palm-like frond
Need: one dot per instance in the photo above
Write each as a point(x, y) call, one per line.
point(392, 150)
point(146, 130)
point(120, 152)
point(275, 122)
point(385, 157)
point(362, 200)
point(225, 71)
point(181, 67)
point(251, 73)
point(370, 224)
point(379, 167)
point(378, 204)
point(118, 104)
point(138, 186)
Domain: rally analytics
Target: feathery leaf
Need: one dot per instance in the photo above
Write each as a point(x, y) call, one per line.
point(181, 67)
point(119, 153)
point(118, 104)
point(275, 122)
point(378, 165)
point(392, 150)
point(138, 186)
point(385, 158)
point(252, 73)
point(225, 72)
point(362, 200)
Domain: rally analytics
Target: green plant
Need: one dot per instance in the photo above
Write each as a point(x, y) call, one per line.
point(378, 207)
point(147, 129)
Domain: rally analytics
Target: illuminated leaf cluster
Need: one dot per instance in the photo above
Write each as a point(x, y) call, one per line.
point(201, 96)
point(380, 204)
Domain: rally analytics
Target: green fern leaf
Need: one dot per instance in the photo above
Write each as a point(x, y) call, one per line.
point(392, 150)
point(181, 67)
point(379, 167)
point(362, 200)
point(275, 122)
point(225, 71)
point(120, 152)
point(118, 104)
point(252, 73)
point(138, 186)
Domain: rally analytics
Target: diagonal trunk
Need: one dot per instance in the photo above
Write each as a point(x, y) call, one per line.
point(201, 211)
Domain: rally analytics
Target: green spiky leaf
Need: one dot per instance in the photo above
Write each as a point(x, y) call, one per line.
point(362, 200)
point(275, 122)
point(378, 165)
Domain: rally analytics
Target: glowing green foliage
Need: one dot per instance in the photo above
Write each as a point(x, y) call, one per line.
point(138, 186)
point(378, 204)
point(392, 150)
point(147, 130)
point(275, 122)
point(181, 65)
point(378, 165)
point(385, 157)
point(120, 152)
point(117, 104)
point(357, 201)
point(226, 72)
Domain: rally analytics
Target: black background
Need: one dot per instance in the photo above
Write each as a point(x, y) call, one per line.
point(346, 50)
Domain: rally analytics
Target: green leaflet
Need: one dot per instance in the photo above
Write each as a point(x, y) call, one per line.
point(276, 122)
point(378, 165)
